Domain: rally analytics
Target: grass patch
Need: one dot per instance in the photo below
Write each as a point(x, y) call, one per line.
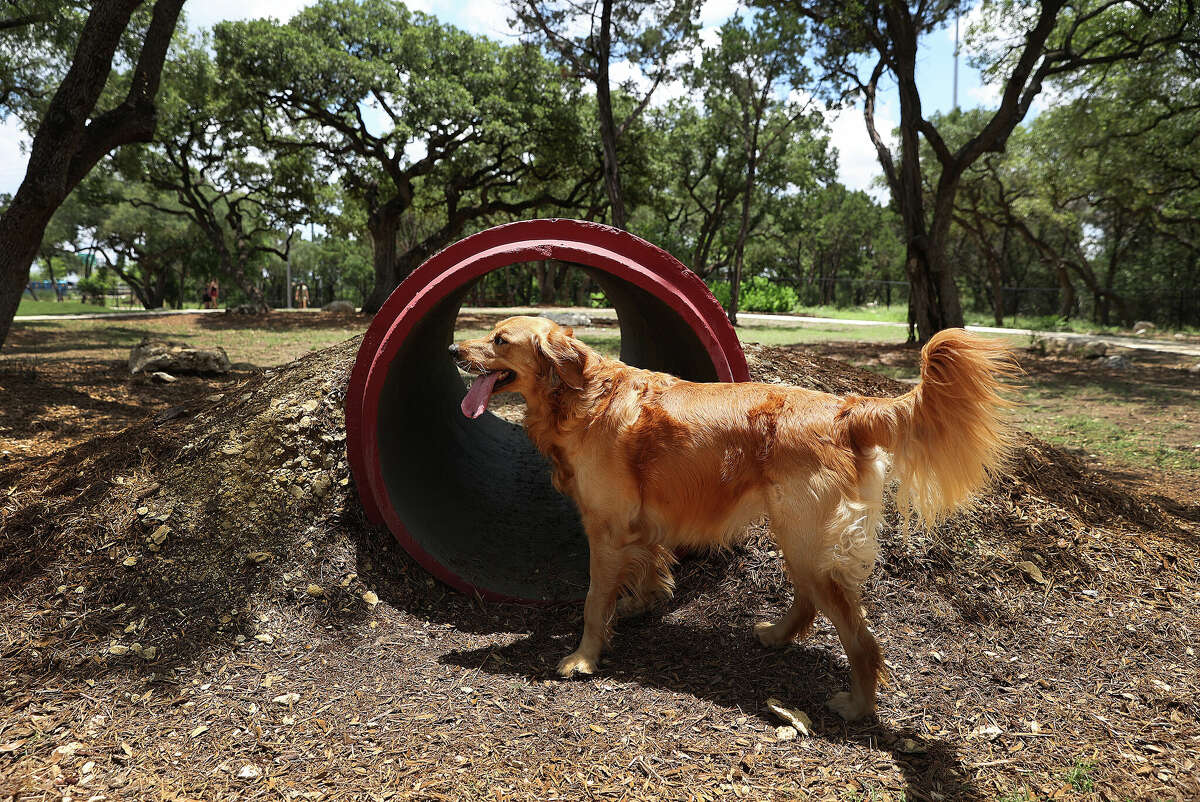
point(1080, 777)
point(265, 343)
point(29, 306)
point(1111, 441)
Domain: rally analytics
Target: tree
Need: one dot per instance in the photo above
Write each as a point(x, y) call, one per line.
point(1029, 45)
point(73, 134)
point(588, 38)
point(413, 115)
point(742, 76)
point(209, 159)
point(1098, 189)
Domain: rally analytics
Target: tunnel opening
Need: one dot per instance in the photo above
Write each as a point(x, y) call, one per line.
point(472, 500)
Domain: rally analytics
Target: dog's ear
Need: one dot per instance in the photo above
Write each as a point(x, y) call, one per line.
point(563, 356)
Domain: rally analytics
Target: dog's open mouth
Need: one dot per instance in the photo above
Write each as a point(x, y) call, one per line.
point(475, 402)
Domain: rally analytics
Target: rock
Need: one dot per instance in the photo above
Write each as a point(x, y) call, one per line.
point(117, 648)
point(66, 750)
point(246, 309)
point(1144, 327)
point(1194, 368)
point(159, 536)
point(315, 591)
point(786, 733)
point(1116, 362)
point(150, 356)
point(160, 377)
point(797, 718)
point(249, 772)
point(568, 318)
point(321, 486)
point(1091, 349)
point(1050, 345)
point(338, 308)
point(1032, 571)
point(1179, 335)
point(371, 598)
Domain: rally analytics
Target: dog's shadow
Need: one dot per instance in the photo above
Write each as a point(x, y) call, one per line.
point(726, 666)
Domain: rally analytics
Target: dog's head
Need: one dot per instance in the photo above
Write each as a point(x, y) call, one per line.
point(526, 355)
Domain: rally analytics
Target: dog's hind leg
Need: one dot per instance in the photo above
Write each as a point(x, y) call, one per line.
point(796, 539)
point(841, 605)
point(650, 582)
point(828, 561)
point(795, 623)
point(608, 566)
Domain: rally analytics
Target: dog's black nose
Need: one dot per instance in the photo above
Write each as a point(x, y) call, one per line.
point(454, 350)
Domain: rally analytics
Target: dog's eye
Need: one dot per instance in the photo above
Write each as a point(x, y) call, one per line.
point(499, 340)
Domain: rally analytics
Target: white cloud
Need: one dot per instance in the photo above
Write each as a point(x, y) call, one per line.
point(486, 17)
point(714, 12)
point(858, 163)
point(986, 95)
point(13, 155)
point(210, 12)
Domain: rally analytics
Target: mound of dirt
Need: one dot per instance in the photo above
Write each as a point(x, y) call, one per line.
point(196, 606)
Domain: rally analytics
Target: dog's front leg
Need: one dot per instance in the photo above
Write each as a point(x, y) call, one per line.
point(606, 566)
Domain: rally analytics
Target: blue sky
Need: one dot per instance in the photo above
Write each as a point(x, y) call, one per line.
point(858, 167)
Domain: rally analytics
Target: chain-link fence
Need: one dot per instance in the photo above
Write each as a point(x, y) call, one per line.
point(1174, 310)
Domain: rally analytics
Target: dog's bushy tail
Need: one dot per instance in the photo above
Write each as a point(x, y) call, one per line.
point(949, 434)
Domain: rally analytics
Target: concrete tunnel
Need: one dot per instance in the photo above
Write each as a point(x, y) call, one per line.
point(471, 500)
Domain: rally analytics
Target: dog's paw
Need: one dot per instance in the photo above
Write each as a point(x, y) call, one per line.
point(849, 708)
point(576, 663)
point(772, 634)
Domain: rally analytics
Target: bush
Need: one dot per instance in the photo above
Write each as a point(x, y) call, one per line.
point(91, 290)
point(758, 294)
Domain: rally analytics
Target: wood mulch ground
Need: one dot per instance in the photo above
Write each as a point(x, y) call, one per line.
point(193, 608)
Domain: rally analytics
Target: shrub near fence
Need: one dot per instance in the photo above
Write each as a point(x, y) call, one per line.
point(758, 294)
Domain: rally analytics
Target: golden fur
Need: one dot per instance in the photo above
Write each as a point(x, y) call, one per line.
point(656, 464)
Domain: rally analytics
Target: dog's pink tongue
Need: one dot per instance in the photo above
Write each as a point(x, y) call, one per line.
point(475, 402)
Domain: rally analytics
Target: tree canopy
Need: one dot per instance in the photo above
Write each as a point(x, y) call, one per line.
point(393, 133)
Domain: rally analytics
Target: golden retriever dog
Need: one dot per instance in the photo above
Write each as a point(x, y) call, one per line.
point(656, 464)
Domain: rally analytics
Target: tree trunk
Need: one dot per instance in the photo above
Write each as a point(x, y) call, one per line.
point(53, 281)
point(735, 283)
point(1066, 297)
point(384, 223)
point(72, 137)
point(608, 128)
point(21, 230)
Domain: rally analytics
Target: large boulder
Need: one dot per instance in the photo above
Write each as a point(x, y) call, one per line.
point(1144, 327)
point(339, 308)
point(568, 318)
point(151, 356)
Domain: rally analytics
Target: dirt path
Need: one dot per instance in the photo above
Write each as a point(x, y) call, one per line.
point(270, 644)
point(1190, 347)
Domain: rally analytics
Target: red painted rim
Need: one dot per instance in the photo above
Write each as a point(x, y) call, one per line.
point(602, 247)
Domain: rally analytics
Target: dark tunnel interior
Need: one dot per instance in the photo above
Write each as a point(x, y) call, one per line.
point(475, 494)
